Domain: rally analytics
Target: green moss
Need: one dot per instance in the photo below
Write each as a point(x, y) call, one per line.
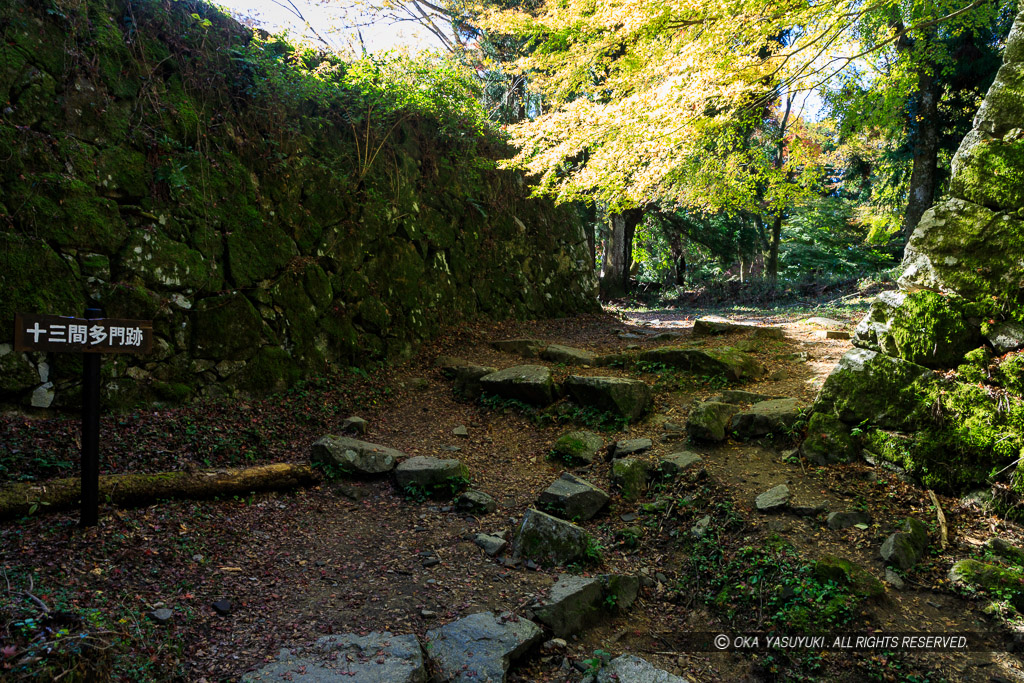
point(34, 279)
point(929, 329)
point(122, 171)
point(173, 392)
point(227, 327)
point(631, 477)
point(828, 440)
point(975, 367)
point(256, 250)
point(272, 370)
point(67, 213)
point(168, 264)
point(1011, 373)
point(846, 573)
point(992, 174)
point(998, 582)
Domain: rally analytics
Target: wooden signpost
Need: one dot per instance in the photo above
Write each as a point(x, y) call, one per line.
point(92, 335)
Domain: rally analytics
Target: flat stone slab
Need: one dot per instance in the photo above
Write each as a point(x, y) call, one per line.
point(352, 456)
point(571, 605)
point(738, 397)
point(674, 464)
point(428, 473)
point(548, 540)
point(767, 417)
point(577, 447)
point(827, 323)
point(527, 348)
point(556, 353)
point(633, 669)
point(709, 420)
point(774, 499)
point(621, 449)
point(573, 498)
point(844, 519)
point(373, 658)
point(479, 648)
point(467, 380)
point(528, 383)
point(492, 545)
point(476, 502)
point(832, 334)
point(712, 324)
point(629, 398)
point(725, 361)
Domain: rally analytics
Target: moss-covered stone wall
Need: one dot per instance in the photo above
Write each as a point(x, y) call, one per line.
point(934, 387)
point(151, 165)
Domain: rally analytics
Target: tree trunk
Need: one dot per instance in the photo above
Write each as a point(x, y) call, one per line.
point(618, 253)
point(924, 127)
point(773, 251)
point(125, 490)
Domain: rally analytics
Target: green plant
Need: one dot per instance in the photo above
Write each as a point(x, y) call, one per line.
point(594, 551)
point(595, 663)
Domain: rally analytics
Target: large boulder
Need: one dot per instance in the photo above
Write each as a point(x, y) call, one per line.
point(571, 605)
point(828, 440)
point(352, 456)
point(709, 420)
point(577, 447)
point(527, 383)
point(727, 362)
point(373, 658)
point(907, 546)
point(430, 474)
point(635, 670)
point(551, 541)
point(869, 387)
point(573, 498)
point(556, 353)
point(629, 398)
point(467, 380)
point(777, 417)
point(709, 325)
point(479, 648)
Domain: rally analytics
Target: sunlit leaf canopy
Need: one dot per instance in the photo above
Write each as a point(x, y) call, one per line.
point(648, 100)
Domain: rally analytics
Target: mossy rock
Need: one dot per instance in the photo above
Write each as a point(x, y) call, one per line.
point(631, 476)
point(35, 279)
point(164, 263)
point(930, 329)
point(272, 370)
point(991, 173)
point(709, 420)
point(845, 573)
point(227, 327)
point(1001, 548)
point(17, 374)
point(871, 388)
point(828, 440)
point(1002, 583)
point(725, 361)
point(577, 447)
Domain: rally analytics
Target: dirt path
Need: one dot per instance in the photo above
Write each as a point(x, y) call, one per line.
point(298, 566)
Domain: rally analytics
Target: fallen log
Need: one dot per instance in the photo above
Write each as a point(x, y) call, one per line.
point(127, 490)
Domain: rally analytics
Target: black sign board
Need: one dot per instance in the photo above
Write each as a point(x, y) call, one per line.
point(90, 335)
point(81, 335)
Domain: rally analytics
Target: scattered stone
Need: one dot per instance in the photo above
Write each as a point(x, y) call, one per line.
point(1006, 336)
point(620, 590)
point(629, 335)
point(828, 440)
point(429, 562)
point(419, 383)
point(674, 464)
point(460, 431)
point(467, 380)
point(162, 615)
point(556, 353)
point(846, 573)
point(571, 605)
point(843, 520)
point(712, 324)
point(372, 658)
point(769, 333)
point(827, 323)
point(527, 348)
point(700, 529)
point(774, 499)
point(635, 670)
point(555, 644)
point(629, 517)
point(428, 473)
point(354, 424)
point(725, 361)
point(894, 579)
point(428, 614)
point(905, 547)
point(738, 397)
point(832, 334)
point(476, 502)
point(222, 607)
point(631, 476)
point(620, 449)
point(355, 457)
point(809, 509)
point(1005, 582)
point(549, 540)
point(353, 493)
point(665, 336)
point(628, 398)
point(451, 449)
point(448, 365)
point(573, 498)
point(767, 417)
point(577, 447)
point(709, 421)
point(1002, 548)
point(528, 383)
point(480, 647)
point(491, 544)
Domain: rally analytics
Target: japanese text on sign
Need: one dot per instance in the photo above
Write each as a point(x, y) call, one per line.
point(105, 335)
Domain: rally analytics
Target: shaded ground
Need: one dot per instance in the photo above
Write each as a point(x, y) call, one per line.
point(300, 565)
